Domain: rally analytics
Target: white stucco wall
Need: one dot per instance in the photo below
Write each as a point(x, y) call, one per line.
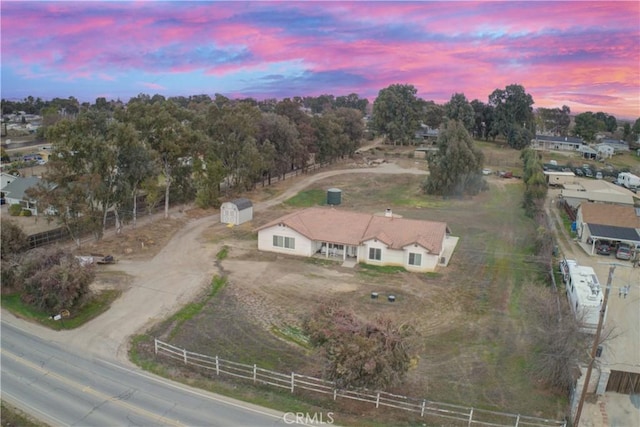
point(303, 246)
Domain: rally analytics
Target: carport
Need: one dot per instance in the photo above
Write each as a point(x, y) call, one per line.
point(611, 233)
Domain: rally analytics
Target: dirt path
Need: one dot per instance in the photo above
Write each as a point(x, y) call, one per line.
point(175, 276)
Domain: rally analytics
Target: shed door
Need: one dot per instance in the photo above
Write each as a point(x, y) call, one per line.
point(228, 216)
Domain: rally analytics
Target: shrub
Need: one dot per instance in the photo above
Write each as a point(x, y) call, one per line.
point(15, 209)
point(25, 212)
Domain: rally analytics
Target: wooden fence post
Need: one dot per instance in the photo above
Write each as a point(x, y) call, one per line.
point(255, 373)
point(293, 381)
point(378, 399)
point(517, 420)
point(470, 417)
point(335, 393)
point(184, 355)
point(424, 402)
point(155, 345)
point(217, 366)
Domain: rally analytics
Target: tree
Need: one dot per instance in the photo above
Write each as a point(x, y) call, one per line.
point(433, 114)
point(166, 129)
point(14, 241)
point(458, 108)
point(587, 125)
point(513, 108)
point(535, 191)
point(352, 101)
point(483, 119)
point(360, 353)
point(397, 113)
point(554, 120)
point(54, 279)
point(456, 168)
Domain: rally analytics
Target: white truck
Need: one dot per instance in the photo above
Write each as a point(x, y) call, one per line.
point(628, 180)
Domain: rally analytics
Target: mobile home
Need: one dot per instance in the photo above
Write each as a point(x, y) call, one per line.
point(584, 293)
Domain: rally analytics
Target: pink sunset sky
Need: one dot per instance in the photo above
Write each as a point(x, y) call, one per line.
point(582, 54)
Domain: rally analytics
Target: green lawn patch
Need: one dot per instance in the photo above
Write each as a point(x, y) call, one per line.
point(293, 334)
point(222, 253)
point(97, 305)
point(308, 198)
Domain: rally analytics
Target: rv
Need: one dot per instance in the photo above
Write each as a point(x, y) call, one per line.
point(628, 180)
point(583, 292)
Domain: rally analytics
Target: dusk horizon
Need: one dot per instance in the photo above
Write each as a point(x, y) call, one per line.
point(585, 55)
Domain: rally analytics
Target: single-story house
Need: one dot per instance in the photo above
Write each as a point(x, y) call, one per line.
point(617, 144)
point(425, 133)
point(560, 143)
point(416, 245)
point(613, 223)
point(15, 193)
point(422, 152)
point(595, 190)
point(605, 151)
point(236, 212)
point(6, 179)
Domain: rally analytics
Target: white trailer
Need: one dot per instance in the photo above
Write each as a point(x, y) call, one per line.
point(628, 180)
point(584, 293)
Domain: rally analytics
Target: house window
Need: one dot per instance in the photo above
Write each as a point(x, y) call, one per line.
point(375, 254)
point(415, 259)
point(284, 242)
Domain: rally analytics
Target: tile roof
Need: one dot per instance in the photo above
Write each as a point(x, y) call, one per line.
point(605, 214)
point(352, 228)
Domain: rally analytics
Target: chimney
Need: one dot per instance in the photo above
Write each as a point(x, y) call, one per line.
point(388, 213)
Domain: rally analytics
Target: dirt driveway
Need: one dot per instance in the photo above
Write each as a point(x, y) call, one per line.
point(175, 276)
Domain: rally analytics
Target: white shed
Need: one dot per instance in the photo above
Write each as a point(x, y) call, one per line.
point(236, 211)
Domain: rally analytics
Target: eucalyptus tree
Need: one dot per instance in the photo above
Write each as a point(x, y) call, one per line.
point(514, 118)
point(81, 177)
point(165, 128)
point(456, 168)
point(397, 113)
point(306, 133)
point(282, 135)
point(459, 108)
point(352, 125)
point(232, 128)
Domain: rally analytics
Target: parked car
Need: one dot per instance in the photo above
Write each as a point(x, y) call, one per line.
point(624, 251)
point(588, 173)
point(603, 249)
point(598, 175)
point(579, 172)
point(486, 171)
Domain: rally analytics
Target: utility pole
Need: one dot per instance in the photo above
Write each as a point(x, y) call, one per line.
point(594, 348)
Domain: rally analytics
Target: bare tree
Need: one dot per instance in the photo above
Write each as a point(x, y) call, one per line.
point(360, 353)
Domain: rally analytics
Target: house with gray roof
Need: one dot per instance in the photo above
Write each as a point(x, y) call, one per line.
point(15, 193)
point(388, 239)
point(558, 143)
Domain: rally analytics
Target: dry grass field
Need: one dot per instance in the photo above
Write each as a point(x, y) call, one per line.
point(472, 348)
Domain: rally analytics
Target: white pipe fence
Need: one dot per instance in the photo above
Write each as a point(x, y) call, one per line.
point(293, 381)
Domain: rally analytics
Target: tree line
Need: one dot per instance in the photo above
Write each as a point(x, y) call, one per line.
point(107, 155)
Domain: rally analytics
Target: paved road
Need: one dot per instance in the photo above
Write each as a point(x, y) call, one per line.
point(62, 387)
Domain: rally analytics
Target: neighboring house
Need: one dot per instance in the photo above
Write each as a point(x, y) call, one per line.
point(15, 193)
point(617, 144)
point(427, 134)
point(236, 211)
point(612, 223)
point(6, 179)
point(595, 190)
point(587, 152)
point(605, 151)
point(560, 143)
point(378, 240)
